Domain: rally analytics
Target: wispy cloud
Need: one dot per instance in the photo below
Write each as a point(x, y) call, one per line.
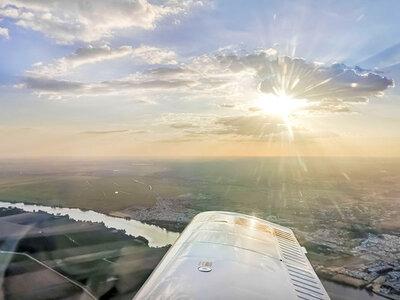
point(244, 128)
point(91, 54)
point(4, 32)
point(101, 132)
point(227, 105)
point(182, 125)
point(251, 125)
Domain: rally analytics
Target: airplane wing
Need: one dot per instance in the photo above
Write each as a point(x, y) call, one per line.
point(224, 255)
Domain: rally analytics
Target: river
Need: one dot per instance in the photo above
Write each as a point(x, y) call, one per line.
point(342, 292)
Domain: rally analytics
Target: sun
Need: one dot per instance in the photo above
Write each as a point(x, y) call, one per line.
point(281, 104)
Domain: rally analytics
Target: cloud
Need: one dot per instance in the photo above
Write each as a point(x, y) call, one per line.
point(182, 125)
point(88, 21)
point(190, 79)
point(248, 128)
point(138, 131)
point(298, 79)
point(51, 86)
point(178, 140)
point(90, 55)
point(241, 128)
point(225, 105)
point(106, 132)
point(328, 107)
point(228, 77)
point(257, 126)
point(282, 76)
point(253, 108)
point(187, 121)
point(144, 100)
point(4, 32)
point(56, 89)
point(200, 125)
point(168, 72)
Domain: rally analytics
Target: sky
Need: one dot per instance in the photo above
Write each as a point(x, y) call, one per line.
point(190, 78)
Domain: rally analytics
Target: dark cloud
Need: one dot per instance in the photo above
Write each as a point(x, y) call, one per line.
point(44, 84)
point(49, 86)
point(299, 79)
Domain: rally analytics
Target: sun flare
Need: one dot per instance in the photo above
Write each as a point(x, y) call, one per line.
point(281, 104)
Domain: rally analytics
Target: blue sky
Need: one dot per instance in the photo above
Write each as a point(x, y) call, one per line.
point(161, 78)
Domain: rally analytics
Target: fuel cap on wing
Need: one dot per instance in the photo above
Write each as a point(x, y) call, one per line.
point(205, 266)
